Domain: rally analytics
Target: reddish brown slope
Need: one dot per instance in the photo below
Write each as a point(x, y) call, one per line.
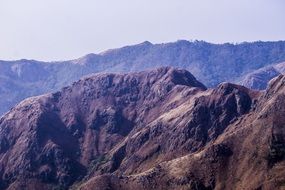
point(155, 129)
point(250, 154)
point(55, 138)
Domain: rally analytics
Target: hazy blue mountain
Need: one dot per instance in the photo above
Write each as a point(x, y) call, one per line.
point(209, 63)
point(260, 78)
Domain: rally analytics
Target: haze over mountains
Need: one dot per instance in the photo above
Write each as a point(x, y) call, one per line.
point(259, 79)
point(210, 63)
point(156, 129)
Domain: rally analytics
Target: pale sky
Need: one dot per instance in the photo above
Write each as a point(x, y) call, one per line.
point(66, 29)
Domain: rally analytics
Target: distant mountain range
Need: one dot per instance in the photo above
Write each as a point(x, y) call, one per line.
point(156, 129)
point(210, 63)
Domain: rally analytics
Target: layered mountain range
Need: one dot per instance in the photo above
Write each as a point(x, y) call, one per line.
point(155, 129)
point(210, 63)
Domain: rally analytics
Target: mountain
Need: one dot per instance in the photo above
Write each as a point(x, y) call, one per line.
point(259, 79)
point(210, 63)
point(249, 154)
point(155, 129)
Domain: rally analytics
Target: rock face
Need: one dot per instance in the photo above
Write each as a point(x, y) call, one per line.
point(210, 63)
point(157, 129)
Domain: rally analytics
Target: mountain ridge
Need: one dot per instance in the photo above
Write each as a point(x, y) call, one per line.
point(141, 130)
point(210, 63)
point(260, 78)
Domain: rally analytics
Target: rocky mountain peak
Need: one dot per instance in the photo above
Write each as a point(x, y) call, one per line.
point(141, 130)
